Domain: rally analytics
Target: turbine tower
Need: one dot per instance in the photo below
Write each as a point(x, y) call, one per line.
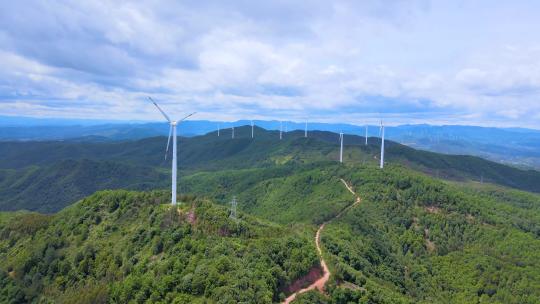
point(382, 147)
point(305, 130)
point(341, 149)
point(218, 130)
point(172, 131)
point(366, 134)
point(252, 129)
point(280, 129)
point(232, 133)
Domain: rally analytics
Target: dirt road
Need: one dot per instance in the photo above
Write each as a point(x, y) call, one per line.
point(319, 284)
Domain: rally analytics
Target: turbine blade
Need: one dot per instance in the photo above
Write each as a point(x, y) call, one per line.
point(168, 142)
point(165, 115)
point(187, 117)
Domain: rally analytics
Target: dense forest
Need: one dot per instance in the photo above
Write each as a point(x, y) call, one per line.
point(419, 240)
point(119, 246)
point(411, 239)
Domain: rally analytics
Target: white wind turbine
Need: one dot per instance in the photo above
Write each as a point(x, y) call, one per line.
point(382, 147)
point(366, 134)
point(341, 149)
point(305, 130)
point(172, 131)
point(252, 125)
point(280, 130)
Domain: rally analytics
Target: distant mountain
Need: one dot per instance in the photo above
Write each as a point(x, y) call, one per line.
point(18, 121)
point(48, 189)
point(514, 146)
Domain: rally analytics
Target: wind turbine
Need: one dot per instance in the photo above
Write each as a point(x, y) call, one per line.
point(305, 130)
point(280, 129)
point(252, 129)
point(218, 130)
point(341, 149)
point(172, 131)
point(366, 134)
point(232, 132)
point(382, 147)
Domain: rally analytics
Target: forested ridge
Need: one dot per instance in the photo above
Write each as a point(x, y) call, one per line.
point(412, 239)
point(418, 240)
point(119, 247)
point(61, 173)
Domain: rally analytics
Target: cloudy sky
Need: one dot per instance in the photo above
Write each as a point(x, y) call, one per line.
point(459, 62)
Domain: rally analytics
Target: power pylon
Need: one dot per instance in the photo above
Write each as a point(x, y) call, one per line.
point(233, 214)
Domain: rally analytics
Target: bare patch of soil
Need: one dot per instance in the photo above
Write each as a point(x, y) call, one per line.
point(429, 244)
point(321, 281)
point(433, 209)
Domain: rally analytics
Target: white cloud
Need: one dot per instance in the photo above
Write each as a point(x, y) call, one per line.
point(461, 62)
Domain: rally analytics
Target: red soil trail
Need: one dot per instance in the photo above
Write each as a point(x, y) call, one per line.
point(319, 283)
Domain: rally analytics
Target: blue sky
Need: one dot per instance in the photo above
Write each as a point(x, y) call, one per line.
point(440, 62)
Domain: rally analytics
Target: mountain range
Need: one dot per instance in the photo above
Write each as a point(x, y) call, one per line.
point(62, 172)
point(514, 146)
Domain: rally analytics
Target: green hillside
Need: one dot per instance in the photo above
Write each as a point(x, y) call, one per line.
point(412, 239)
point(46, 176)
point(418, 240)
point(120, 247)
point(50, 188)
point(285, 194)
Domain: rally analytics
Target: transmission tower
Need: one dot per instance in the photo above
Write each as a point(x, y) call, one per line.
point(233, 209)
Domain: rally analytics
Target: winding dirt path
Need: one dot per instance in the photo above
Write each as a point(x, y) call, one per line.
point(319, 284)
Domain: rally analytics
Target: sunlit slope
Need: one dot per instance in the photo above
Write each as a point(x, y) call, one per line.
point(119, 246)
point(414, 239)
point(286, 194)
